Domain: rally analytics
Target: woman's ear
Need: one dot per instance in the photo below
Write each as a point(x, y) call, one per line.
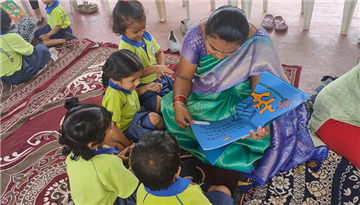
point(92, 145)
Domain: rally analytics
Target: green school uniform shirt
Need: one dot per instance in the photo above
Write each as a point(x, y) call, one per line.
point(58, 17)
point(181, 192)
point(122, 105)
point(13, 47)
point(86, 188)
point(145, 51)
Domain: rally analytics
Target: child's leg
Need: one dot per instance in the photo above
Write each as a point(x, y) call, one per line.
point(119, 136)
point(221, 188)
point(158, 103)
point(157, 120)
point(54, 42)
point(220, 195)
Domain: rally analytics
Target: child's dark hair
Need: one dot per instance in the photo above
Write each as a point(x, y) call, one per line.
point(228, 23)
point(120, 64)
point(126, 13)
point(82, 124)
point(155, 159)
point(5, 20)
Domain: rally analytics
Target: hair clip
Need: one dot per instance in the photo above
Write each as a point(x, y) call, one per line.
point(125, 0)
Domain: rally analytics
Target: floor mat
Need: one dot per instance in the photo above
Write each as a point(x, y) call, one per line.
point(33, 170)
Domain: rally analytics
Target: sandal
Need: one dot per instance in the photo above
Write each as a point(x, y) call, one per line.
point(280, 24)
point(87, 8)
point(268, 21)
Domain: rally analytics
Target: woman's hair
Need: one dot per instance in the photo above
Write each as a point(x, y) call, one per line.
point(125, 13)
point(83, 123)
point(5, 20)
point(155, 159)
point(228, 23)
point(120, 64)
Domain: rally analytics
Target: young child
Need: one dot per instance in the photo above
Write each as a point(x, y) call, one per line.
point(58, 30)
point(96, 172)
point(121, 75)
point(155, 161)
point(129, 20)
point(20, 61)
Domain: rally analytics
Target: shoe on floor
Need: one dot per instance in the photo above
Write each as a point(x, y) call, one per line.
point(174, 43)
point(68, 36)
point(185, 25)
point(268, 22)
point(280, 24)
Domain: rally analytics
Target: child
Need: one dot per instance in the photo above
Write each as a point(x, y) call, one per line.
point(96, 172)
point(58, 30)
point(155, 161)
point(121, 75)
point(129, 20)
point(20, 61)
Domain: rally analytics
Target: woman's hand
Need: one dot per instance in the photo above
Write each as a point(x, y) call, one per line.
point(163, 70)
point(124, 155)
point(154, 86)
point(181, 113)
point(261, 133)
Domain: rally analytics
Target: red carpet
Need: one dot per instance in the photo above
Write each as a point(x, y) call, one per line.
point(33, 170)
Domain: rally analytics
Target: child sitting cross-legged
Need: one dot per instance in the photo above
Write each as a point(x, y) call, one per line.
point(96, 171)
point(58, 29)
point(121, 76)
point(20, 61)
point(155, 161)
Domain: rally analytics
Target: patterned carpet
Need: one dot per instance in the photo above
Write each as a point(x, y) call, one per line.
point(32, 167)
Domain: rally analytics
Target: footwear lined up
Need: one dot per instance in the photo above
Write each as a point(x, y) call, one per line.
point(277, 22)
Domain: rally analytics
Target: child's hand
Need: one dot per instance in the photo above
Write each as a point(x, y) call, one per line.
point(44, 37)
point(191, 182)
point(124, 154)
point(163, 70)
point(261, 133)
point(154, 86)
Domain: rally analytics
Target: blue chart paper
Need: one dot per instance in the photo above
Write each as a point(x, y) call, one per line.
point(214, 154)
point(271, 99)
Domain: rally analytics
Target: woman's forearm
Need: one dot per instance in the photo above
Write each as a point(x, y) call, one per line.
point(182, 86)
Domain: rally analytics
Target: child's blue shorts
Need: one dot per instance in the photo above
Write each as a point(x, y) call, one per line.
point(149, 98)
point(140, 126)
point(46, 29)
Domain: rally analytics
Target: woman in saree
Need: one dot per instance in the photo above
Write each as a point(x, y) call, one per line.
point(221, 61)
point(336, 116)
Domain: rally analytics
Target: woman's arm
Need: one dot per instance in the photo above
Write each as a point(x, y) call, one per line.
point(254, 81)
point(182, 86)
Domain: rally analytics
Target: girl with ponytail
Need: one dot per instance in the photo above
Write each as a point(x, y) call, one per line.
point(96, 171)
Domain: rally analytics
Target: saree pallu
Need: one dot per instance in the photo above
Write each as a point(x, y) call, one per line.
point(218, 86)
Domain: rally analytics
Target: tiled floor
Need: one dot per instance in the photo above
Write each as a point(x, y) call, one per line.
point(320, 50)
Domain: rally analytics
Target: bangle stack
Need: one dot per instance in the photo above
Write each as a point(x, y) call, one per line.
point(180, 99)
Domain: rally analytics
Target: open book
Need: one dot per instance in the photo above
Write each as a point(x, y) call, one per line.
point(14, 11)
point(271, 99)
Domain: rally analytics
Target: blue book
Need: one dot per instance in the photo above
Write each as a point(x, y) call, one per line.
point(271, 99)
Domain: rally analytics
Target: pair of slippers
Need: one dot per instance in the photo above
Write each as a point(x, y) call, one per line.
point(277, 22)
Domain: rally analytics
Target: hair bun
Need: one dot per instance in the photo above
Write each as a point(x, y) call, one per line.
point(71, 102)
